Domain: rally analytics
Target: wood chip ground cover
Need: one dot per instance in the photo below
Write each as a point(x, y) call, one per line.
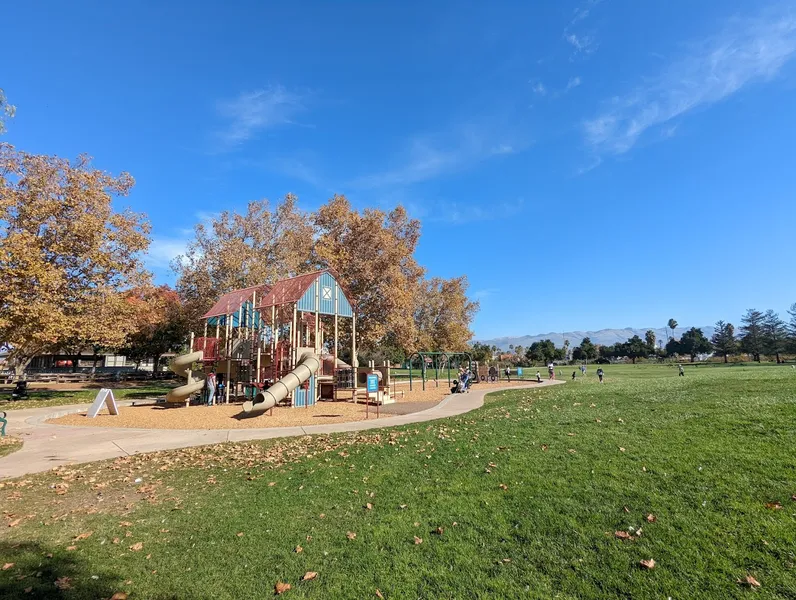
point(704, 455)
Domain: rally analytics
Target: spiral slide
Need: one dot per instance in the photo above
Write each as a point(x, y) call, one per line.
point(180, 366)
point(307, 365)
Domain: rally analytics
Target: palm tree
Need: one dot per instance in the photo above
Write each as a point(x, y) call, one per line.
point(672, 325)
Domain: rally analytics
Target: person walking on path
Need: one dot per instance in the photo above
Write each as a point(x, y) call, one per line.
point(583, 369)
point(682, 371)
point(538, 377)
point(508, 374)
point(600, 374)
point(551, 372)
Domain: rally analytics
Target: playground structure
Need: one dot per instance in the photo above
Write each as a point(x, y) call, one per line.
point(273, 345)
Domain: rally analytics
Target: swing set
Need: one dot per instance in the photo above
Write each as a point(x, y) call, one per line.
point(440, 362)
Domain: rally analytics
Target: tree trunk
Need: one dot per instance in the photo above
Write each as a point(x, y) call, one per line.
point(693, 357)
point(725, 358)
point(75, 360)
point(20, 365)
point(155, 364)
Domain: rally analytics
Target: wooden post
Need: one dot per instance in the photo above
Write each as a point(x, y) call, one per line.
point(274, 336)
point(317, 315)
point(336, 307)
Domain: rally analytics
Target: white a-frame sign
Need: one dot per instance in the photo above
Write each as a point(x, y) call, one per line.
point(105, 396)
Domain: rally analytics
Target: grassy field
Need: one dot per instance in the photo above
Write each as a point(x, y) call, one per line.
point(8, 445)
point(53, 397)
point(529, 497)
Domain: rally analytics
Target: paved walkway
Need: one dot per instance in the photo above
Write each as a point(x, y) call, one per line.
point(48, 446)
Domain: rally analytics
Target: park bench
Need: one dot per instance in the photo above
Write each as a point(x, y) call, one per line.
point(3, 423)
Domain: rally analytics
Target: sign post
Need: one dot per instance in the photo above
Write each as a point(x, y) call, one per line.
point(105, 396)
point(373, 388)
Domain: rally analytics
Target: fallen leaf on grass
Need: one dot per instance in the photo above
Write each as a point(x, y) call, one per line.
point(309, 575)
point(378, 594)
point(83, 536)
point(368, 506)
point(116, 540)
point(281, 588)
point(119, 596)
point(7, 566)
point(506, 560)
point(750, 581)
point(125, 524)
point(626, 509)
point(623, 535)
point(651, 518)
point(544, 447)
point(648, 564)
point(418, 541)
point(351, 535)
point(272, 484)
point(70, 548)
point(793, 497)
point(137, 546)
point(15, 522)
point(164, 531)
point(621, 449)
point(63, 583)
point(572, 451)
point(774, 505)
point(239, 534)
point(28, 590)
point(504, 487)
point(402, 506)
point(299, 550)
point(439, 531)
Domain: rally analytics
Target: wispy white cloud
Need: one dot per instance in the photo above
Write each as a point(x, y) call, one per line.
point(163, 250)
point(461, 213)
point(583, 11)
point(485, 293)
point(252, 112)
point(539, 88)
point(744, 52)
point(572, 83)
point(585, 44)
point(430, 156)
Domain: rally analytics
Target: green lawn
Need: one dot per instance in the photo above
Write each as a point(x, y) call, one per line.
point(38, 398)
point(8, 445)
point(521, 499)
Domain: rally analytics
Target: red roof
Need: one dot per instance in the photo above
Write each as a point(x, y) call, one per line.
point(289, 290)
point(230, 303)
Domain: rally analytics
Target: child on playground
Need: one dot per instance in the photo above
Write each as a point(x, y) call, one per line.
point(538, 377)
point(508, 374)
point(551, 372)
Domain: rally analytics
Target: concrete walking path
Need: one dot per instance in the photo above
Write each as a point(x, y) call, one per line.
point(48, 446)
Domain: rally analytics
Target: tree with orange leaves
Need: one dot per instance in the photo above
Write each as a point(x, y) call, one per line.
point(65, 254)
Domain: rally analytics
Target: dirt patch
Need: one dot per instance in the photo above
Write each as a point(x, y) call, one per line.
point(9, 444)
point(230, 416)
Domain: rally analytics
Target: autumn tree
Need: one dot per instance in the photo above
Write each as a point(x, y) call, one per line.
point(723, 339)
point(64, 252)
point(160, 324)
point(233, 251)
point(373, 254)
point(443, 314)
point(792, 327)
point(6, 111)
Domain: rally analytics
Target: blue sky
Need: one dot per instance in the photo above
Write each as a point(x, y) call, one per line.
point(587, 164)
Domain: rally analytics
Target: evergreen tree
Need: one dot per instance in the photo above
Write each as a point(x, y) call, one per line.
point(724, 339)
point(752, 334)
point(775, 335)
point(694, 342)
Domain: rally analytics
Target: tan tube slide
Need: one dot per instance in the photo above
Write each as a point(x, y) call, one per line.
point(180, 366)
point(307, 365)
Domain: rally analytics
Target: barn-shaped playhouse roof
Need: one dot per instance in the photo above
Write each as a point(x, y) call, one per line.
point(303, 290)
point(235, 303)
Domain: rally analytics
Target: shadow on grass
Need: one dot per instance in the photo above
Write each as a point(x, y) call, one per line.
point(41, 572)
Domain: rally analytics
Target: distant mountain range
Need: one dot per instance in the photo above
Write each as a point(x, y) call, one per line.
point(603, 337)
